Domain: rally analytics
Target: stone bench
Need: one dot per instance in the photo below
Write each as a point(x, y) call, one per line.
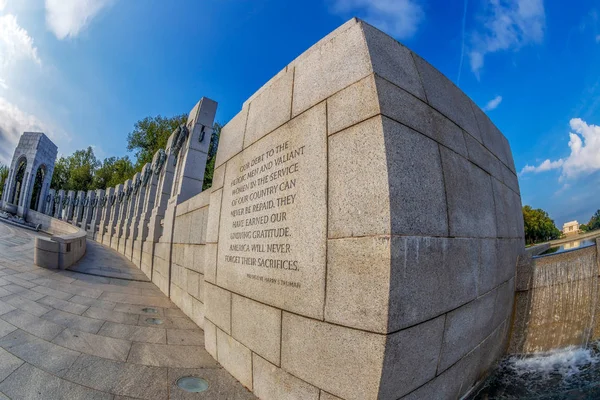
point(65, 247)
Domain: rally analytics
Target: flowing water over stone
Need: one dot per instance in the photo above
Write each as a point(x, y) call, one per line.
point(566, 374)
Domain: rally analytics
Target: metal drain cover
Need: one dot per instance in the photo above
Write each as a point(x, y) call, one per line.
point(154, 321)
point(192, 384)
point(150, 310)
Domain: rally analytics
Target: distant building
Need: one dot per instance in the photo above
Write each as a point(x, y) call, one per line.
point(571, 228)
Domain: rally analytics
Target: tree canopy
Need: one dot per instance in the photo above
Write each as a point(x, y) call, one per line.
point(83, 171)
point(594, 222)
point(151, 134)
point(538, 226)
point(3, 176)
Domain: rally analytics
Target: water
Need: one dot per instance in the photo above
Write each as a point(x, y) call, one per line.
point(565, 374)
point(569, 246)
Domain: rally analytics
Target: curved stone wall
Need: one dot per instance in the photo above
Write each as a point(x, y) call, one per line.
point(360, 237)
point(363, 236)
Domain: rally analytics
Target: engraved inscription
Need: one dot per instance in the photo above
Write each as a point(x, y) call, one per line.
point(272, 229)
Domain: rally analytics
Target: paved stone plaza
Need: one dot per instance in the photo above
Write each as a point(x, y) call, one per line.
point(69, 335)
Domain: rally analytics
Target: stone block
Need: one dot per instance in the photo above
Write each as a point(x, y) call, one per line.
point(358, 282)
point(403, 107)
point(282, 219)
point(504, 302)
point(491, 136)
point(508, 211)
point(328, 396)
point(218, 306)
point(195, 284)
point(214, 212)
point(510, 179)
point(411, 358)
point(218, 177)
point(385, 178)
point(445, 97)
point(273, 383)
point(329, 66)
point(257, 326)
point(340, 360)
point(352, 105)
point(198, 225)
point(210, 266)
point(471, 211)
point(271, 108)
point(483, 158)
point(232, 137)
point(466, 327)
point(235, 358)
point(392, 61)
point(430, 276)
point(210, 338)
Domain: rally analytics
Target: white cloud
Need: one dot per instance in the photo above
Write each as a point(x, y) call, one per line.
point(67, 18)
point(493, 104)
point(13, 122)
point(3, 4)
point(584, 143)
point(547, 165)
point(507, 25)
point(399, 18)
point(15, 42)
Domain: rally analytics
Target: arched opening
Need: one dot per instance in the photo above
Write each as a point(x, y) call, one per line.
point(37, 187)
point(19, 181)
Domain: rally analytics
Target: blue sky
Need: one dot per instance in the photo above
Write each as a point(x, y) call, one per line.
point(84, 71)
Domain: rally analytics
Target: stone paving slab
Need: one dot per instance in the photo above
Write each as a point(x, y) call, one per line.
point(67, 335)
point(40, 353)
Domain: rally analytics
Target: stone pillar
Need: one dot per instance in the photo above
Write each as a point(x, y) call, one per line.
point(125, 243)
point(114, 215)
point(78, 208)
point(68, 211)
point(58, 203)
point(49, 202)
point(121, 215)
point(94, 228)
point(155, 227)
point(149, 184)
point(24, 195)
point(89, 205)
point(107, 202)
point(189, 155)
point(147, 246)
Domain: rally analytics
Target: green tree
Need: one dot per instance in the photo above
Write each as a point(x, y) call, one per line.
point(594, 222)
point(75, 172)
point(151, 134)
point(113, 171)
point(538, 226)
point(81, 167)
point(60, 177)
point(212, 156)
point(3, 177)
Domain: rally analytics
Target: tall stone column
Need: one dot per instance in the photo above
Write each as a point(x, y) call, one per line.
point(107, 202)
point(149, 184)
point(155, 228)
point(68, 212)
point(88, 205)
point(190, 153)
point(58, 203)
point(124, 244)
point(78, 208)
point(114, 215)
point(147, 247)
point(121, 215)
point(49, 202)
point(98, 207)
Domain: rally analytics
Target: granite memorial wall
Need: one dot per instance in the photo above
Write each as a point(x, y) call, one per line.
point(360, 237)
